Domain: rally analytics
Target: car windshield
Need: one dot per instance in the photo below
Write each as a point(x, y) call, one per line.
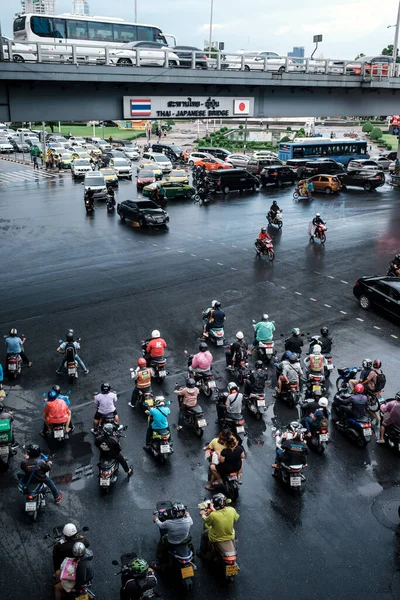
point(161, 159)
point(82, 163)
point(95, 179)
point(147, 205)
point(107, 172)
point(144, 174)
point(178, 174)
point(121, 162)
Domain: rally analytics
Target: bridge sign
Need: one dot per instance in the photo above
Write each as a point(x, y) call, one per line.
point(184, 107)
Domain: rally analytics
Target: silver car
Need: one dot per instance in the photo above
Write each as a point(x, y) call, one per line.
point(363, 163)
point(238, 160)
point(143, 53)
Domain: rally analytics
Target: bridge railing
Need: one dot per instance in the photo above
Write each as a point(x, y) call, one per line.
point(113, 55)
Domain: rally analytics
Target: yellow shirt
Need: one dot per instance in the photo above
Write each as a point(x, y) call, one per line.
point(216, 445)
point(220, 524)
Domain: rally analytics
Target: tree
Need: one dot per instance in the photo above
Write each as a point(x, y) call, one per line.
point(211, 52)
point(359, 56)
point(285, 138)
point(367, 127)
point(376, 133)
point(388, 51)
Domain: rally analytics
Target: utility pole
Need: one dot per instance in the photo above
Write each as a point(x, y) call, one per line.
point(135, 11)
point(211, 24)
point(396, 37)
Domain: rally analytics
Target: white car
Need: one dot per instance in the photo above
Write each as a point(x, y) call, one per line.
point(255, 61)
point(143, 53)
point(363, 163)
point(131, 152)
point(96, 182)
point(121, 166)
point(264, 154)
point(103, 145)
point(5, 145)
point(238, 160)
point(163, 161)
point(383, 161)
point(76, 140)
point(20, 52)
point(194, 156)
point(80, 166)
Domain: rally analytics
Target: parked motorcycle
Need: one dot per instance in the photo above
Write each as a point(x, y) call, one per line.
point(342, 382)
point(14, 362)
point(275, 219)
point(358, 431)
point(291, 475)
point(126, 574)
point(264, 249)
point(256, 404)
point(223, 553)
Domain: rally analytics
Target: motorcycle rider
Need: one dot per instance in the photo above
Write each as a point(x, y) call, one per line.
point(232, 403)
point(69, 340)
point(187, 397)
point(391, 410)
point(7, 416)
point(219, 524)
point(56, 388)
point(230, 460)
point(291, 373)
point(292, 450)
point(315, 223)
point(142, 376)
point(178, 531)
point(366, 370)
point(55, 411)
point(315, 362)
point(256, 381)
point(315, 414)
point(36, 470)
point(294, 343)
point(83, 573)
point(111, 195)
point(155, 347)
point(324, 340)
point(394, 267)
point(137, 580)
point(63, 547)
point(263, 330)
point(354, 405)
point(274, 209)
point(110, 448)
point(15, 345)
point(158, 419)
point(105, 403)
point(237, 351)
point(202, 361)
point(263, 237)
point(214, 318)
point(376, 380)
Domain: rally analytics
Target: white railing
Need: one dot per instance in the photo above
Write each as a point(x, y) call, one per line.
point(117, 56)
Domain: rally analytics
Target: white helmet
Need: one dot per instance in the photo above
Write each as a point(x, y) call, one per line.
point(69, 530)
point(240, 335)
point(159, 400)
point(323, 402)
point(213, 303)
point(265, 317)
point(317, 215)
point(232, 386)
point(317, 349)
point(155, 333)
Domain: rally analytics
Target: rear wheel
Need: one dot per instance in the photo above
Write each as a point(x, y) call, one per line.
point(255, 188)
point(367, 187)
point(124, 62)
point(246, 68)
point(226, 189)
point(296, 195)
point(172, 63)
point(122, 217)
point(365, 302)
point(18, 58)
point(188, 194)
point(191, 163)
point(328, 191)
point(281, 70)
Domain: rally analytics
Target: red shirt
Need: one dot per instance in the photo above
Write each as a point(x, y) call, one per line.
point(156, 347)
point(264, 237)
point(56, 411)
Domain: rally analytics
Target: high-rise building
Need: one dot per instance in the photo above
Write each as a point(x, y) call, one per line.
point(44, 7)
point(297, 53)
point(80, 7)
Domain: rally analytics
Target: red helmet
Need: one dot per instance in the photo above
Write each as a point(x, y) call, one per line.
point(359, 388)
point(377, 364)
point(141, 362)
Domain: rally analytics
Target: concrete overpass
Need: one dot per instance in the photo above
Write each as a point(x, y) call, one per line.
point(68, 92)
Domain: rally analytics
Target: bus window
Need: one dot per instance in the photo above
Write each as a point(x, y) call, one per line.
point(100, 32)
point(77, 30)
point(42, 26)
point(124, 33)
point(148, 34)
point(59, 29)
point(19, 24)
point(298, 152)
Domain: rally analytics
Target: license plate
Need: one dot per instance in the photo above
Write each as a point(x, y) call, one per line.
point(162, 373)
point(323, 437)
point(220, 342)
point(202, 423)
point(295, 481)
point(316, 388)
point(367, 432)
point(12, 367)
point(83, 597)
point(330, 367)
point(165, 449)
point(30, 506)
point(231, 570)
point(4, 450)
point(211, 385)
point(71, 371)
point(260, 402)
point(58, 433)
point(105, 482)
point(240, 429)
point(187, 572)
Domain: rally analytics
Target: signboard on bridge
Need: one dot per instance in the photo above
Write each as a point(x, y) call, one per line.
point(184, 107)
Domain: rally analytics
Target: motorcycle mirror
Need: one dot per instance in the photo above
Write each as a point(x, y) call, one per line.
point(125, 427)
point(60, 341)
point(115, 563)
point(85, 528)
point(131, 370)
point(44, 395)
point(68, 392)
point(253, 321)
point(273, 429)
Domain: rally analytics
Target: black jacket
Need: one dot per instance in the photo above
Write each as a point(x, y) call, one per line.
point(134, 588)
point(109, 447)
point(295, 453)
point(257, 381)
point(294, 343)
point(84, 570)
point(63, 550)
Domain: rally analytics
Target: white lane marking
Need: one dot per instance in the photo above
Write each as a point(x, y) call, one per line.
point(207, 259)
point(317, 272)
point(199, 237)
point(343, 281)
point(222, 243)
point(376, 327)
point(181, 251)
point(234, 246)
point(154, 244)
point(141, 242)
point(220, 264)
point(192, 255)
point(330, 277)
point(361, 320)
point(283, 287)
point(233, 269)
point(394, 336)
point(245, 249)
point(299, 293)
point(313, 299)
point(343, 312)
point(328, 305)
point(210, 240)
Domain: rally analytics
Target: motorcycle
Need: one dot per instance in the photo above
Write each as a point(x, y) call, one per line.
point(358, 431)
point(264, 249)
point(233, 421)
point(392, 437)
point(108, 468)
point(291, 475)
point(35, 493)
point(14, 362)
point(319, 234)
point(290, 394)
point(275, 219)
point(204, 379)
point(126, 574)
point(161, 445)
point(239, 370)
point(315, 339)
point(315, 382)
point(319, 435)
point(89, 205)
point(223, 553)
point(256, 404)
point(144, 399)
point(158, 364)
point(180, 566)
point(194, 417)
point(6, 449)
point(70, 363)
point(110, 203)
point(204, 194)
point(342, 382)
point(265, 350)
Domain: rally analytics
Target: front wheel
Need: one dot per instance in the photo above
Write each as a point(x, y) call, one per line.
point(296, 195)
point(122, 218)
point(207, 391)
point(280, 225)
point(124, 62)
point(188, 194)
point(367, 187)
point(328, 191)
point(339, 384)
point(226, 189)
point(281, 70)
point(365, 302)
point(323, 238)
point(18, 58)
point(271, 255)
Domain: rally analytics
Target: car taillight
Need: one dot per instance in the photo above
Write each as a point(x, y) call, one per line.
point(30, 497)
point(356, 283)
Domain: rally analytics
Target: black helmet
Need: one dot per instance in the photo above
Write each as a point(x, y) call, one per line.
point(190, 383)
point(33, 450)
point(397, 396)
point(105, 388)
point(56, 389)
point(274, 202)
point(108, 428)
point(219, 501)
point(69, 337)
point(178, 510)
point(203, 347)
point(367, 363)
point(1, 407)
point(397, 257)
point(324, 330)
point(293, 358)
point(259, 364)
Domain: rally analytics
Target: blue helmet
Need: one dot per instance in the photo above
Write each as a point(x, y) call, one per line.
point(52, 395)
point(287, 354)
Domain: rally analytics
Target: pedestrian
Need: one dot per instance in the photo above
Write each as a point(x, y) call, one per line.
point(110, 139)
point(310, 188)
point(41, 157)
point(36, 162)
point(51, 161)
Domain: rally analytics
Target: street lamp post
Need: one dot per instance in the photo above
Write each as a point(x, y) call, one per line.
point(211, 24)
point(135, 10)
point(396, 35)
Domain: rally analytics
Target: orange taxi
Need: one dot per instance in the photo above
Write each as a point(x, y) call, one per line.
point(213, 164)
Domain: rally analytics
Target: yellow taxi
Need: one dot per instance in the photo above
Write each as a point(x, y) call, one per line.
point(178, 176)
point(80, 153)
point(110, 176)
point(92, 149)
point(324, 183)
point(158, 174)
point(65, 160)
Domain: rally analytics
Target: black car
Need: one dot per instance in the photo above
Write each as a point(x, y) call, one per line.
point(381, 292)
point(297, 165)
point(322, 167)
point(369, 180)
point(225, 180)
point(278, 175)
point(174, 153)
point(107, 156)
point(185, 57)
point(144, 212)
point(220, 153)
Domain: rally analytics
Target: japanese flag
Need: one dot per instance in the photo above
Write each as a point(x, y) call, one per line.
point(241, 107)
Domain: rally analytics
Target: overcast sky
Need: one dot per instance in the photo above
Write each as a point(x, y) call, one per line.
point(348, 27)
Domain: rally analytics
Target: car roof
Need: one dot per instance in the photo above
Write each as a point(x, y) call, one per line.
point(393, 282)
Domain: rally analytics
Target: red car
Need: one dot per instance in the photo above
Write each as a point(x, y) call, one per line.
point(375, 66)
point(144, 178)
point(213, 164)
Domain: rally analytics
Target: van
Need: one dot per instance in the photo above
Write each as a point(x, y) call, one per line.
point(217, 152)
point(233, 179)
point(96, 182)
point(173, 152)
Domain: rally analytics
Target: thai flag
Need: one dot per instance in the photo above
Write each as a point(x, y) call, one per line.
point(140, 107)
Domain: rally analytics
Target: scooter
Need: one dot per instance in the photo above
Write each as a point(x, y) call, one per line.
point(239, 370)
point(265, 349)
point(34, 492)
point(256, 404)
point(358, 431)
point(89, 205)
point(265, 249)
point(108, 468)
point(315, 382)
point(233, 421)
point(342, 382)
point(315, 339)
point(275, 220)
point(216, 336)
point(290, 394)
point(125, 572)
point(6, 446)
point(391, 436)
point(319, 435)
point(291, 475)
point(157, 364)
point(14, 362)
point(194, 417)
point(319, 234)
point(70, 363)
point(204, 379)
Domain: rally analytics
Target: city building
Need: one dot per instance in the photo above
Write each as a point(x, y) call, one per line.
point(80, 7)
point(296, 53)
point(44, 7)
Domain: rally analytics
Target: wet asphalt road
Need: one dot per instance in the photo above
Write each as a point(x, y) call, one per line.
point(113, 284)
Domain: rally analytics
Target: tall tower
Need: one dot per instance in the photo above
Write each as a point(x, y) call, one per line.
point(80, 7)
point(45, 7)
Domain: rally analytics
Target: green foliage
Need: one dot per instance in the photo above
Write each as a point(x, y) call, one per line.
point(285, 138)
point(359, 56)
point(240, 126)
point(300, 132)
point(288, 128)
point(376, 133)
point(367, 127)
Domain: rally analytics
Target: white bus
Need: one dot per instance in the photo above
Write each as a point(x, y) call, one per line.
point(86, 31)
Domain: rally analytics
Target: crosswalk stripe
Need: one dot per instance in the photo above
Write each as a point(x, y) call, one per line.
point(21, 176)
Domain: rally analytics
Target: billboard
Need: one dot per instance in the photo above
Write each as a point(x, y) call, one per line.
point(184, 107)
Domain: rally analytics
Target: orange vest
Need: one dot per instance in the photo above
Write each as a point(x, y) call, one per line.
point(143, 378)
point(316, 362)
